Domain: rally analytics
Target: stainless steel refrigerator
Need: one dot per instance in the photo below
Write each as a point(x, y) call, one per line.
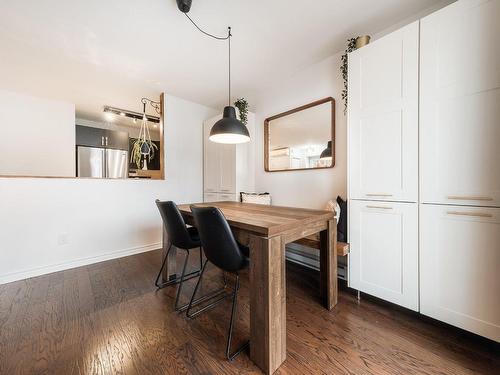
point(101, 162)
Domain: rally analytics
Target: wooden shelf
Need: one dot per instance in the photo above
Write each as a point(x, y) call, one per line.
point(313, 242)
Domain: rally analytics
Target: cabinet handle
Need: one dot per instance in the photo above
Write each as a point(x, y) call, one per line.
point(102, 141)
point(380, 207)
point(474, 214)
point(378, 195)
point(469, 198)
point(106, 141)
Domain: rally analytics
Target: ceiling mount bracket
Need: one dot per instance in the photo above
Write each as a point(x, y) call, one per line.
point(184, 5)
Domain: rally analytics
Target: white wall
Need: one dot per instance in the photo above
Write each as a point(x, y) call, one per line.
point(38, 136)
point(99, 219)
point(309, 188)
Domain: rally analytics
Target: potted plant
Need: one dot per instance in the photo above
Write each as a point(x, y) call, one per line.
point(242, 106)
point(143, 148)
point(352, 44)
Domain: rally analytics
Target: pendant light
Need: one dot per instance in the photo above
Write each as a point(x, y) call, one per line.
point(229, 129)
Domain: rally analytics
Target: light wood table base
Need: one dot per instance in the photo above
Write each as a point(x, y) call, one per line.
point(266, 230)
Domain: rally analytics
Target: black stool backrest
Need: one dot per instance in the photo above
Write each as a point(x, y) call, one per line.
point(174, 224)
point(218, 241)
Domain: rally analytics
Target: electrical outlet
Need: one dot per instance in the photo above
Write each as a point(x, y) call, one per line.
point(62, 239)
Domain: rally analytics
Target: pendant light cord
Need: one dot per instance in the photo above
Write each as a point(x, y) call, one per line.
point(228, 38)
point(208, 34)
point(229, 80)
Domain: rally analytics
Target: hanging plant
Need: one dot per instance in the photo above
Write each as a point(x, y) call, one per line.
point(351, 46)
point(143, 147)
point(242, 106)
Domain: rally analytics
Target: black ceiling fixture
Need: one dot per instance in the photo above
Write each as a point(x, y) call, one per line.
point(228, 129)
point(184, 5)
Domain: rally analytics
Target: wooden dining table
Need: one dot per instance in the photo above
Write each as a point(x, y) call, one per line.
point(266, 230)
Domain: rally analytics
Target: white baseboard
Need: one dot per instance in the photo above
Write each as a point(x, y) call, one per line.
point(38, 271)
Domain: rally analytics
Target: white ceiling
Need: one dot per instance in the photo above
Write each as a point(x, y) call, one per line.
point(113, 52)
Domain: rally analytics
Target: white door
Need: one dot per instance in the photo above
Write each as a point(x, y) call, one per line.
point(460, 104)
point(227, 182)
point(383, 118)
point(383, 258)
point(211, 160)
point(460, 267)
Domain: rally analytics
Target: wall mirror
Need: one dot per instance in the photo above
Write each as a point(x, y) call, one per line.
point(301, 138)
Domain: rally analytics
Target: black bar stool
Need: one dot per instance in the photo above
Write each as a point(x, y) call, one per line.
point(181, 237)
point(221, 249)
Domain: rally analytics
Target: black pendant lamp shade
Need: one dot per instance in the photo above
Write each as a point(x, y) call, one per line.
point(327, 152)
point(229, 129)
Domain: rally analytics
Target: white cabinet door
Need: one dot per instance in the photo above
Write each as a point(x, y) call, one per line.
point(460, 267)
point(211, 160)
point(210, 197)
point(227, 181)
point(227, 197)
point(460, 104)
point(383, 118)
point(383, 258)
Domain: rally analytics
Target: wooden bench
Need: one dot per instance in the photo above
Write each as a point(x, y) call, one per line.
point(313, 242)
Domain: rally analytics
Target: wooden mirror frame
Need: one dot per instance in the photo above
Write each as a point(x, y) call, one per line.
point(295, 110)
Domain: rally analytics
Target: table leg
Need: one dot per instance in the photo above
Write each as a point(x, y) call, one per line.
point(169, 272)
point(267, 303)
point(328, 265)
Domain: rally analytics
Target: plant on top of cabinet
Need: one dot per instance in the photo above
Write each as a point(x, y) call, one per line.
point(242, 106)
point(352, 44)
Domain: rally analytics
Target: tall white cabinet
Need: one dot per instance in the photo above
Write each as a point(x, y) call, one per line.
point(227, 169)
point(460, 166)
point(424, 167)
point(383, 118)
point(460, 105)
point(383, 167)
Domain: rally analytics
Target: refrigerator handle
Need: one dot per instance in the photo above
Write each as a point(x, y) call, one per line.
point(104, 163)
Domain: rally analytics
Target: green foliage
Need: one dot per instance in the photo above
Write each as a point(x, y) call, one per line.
point(351, 46)
point(242, 106)
point(136, 156)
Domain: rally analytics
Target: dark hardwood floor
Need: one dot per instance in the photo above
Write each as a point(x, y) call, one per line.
point(108, 318)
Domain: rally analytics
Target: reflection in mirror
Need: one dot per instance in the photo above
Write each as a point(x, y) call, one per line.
point(302, 138)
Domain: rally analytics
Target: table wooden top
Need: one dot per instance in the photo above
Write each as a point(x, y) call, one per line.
point(266, 220)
